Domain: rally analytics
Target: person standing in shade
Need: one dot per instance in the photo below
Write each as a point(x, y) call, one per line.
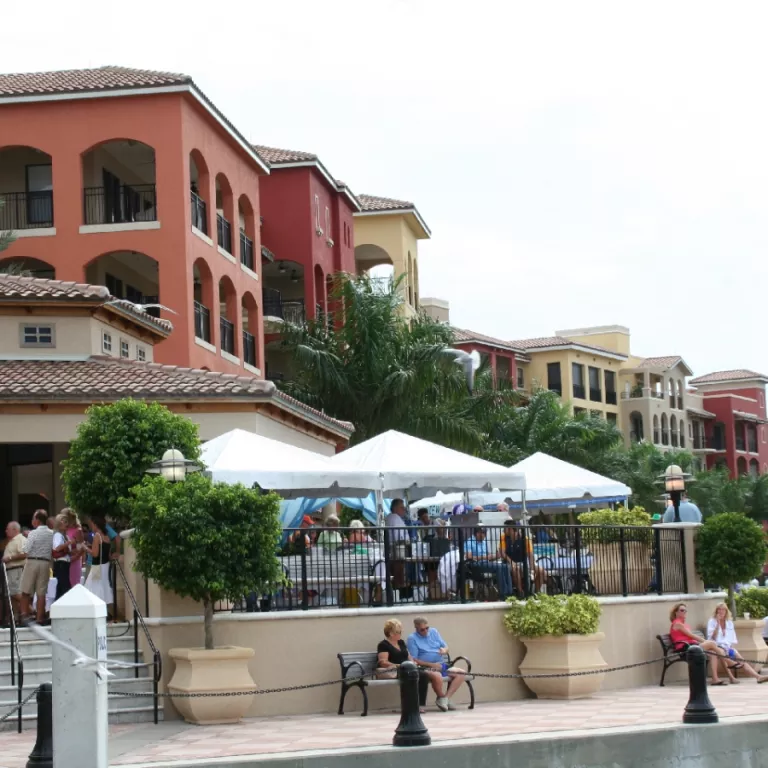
point(14, 557)
point(37, 567)
point(74, 534)
point(100, 549)
point(62, 549)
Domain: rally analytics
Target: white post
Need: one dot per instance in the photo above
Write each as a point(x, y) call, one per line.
point(80, 717)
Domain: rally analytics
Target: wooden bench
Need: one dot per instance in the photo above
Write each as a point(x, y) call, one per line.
point(671, 655)
point(358, 670)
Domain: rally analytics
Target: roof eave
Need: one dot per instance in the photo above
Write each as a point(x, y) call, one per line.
point(341, 188)
point(426, 232)
point(578, 348)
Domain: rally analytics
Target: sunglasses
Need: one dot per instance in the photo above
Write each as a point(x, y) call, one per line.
point(423, 629)
point(682, 610)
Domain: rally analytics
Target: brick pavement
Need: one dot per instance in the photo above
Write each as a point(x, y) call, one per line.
point(146, 743)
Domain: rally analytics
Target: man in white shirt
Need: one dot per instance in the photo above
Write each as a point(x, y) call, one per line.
point(396, 521)
point(37, 567)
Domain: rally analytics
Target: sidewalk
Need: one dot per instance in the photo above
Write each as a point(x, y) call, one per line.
point(177, 741)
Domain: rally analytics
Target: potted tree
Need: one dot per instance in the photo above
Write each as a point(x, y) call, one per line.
point(749, 620)
point(561, 635)
point(730, 549)
point(618, 539)
point(211, 542)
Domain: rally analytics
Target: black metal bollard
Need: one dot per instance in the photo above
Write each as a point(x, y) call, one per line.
point(699, 709)
point(42, 753)
point(411, 731)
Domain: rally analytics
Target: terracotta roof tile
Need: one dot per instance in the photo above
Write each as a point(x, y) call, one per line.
point(738, 374)
point(463, 336)
point(275, 156)
point(375, 203)
point(660, 362)
point(558, 341)
point(86, 80)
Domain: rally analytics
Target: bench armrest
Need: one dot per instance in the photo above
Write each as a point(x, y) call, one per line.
point(345, 669)
point(451, 662)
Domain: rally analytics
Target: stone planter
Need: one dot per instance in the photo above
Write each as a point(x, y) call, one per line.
point(567, 653)
point(749, 633)
point(200, 671)
point(606, 569)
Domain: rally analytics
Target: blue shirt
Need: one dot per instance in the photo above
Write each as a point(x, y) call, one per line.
point(479, 549)
point(689, 513)
point(426, 647)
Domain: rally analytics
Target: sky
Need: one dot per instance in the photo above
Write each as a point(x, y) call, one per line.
point(579, 163)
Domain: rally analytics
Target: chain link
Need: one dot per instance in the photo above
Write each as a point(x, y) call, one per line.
point(544, 676)
point(18, 707)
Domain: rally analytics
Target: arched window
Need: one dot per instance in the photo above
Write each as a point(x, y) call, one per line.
point(673, 431)
point(127, 275)
point(25, 267)
point(26, 200)
point(671, 393)
point(250, 320)
point(199, 182)
point(682, 433)
point(741, 466)
point(228, 316)
point(656, 434)
point(224, 213)
point(664, 429)
point(320, 299)
point(754, 467)
point(203, 299)
point(636, 427)
point(679, 395)
point(246, 223)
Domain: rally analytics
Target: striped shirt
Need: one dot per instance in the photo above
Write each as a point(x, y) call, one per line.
point(39, 543)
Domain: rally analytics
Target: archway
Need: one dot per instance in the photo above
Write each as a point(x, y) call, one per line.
point(320, 300)
point(199, 190)
point(679, 395)
point(247, 231)
point(127, 275)
point(741, 466)
point(673, 430)
point(682, 433)
point(224, 213)
point(249, 311)
point(636, 427)
point(26, 200)
point(26, 267)
point(119, 183)
point(228, 316)
point(369, 255)
point(656, 436)
point(202, 287)
point(671, 393)
point(664, 429)
point(754, 467)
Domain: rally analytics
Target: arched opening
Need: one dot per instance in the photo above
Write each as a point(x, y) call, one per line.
point(636, 427)
point(718, 436)
point(664, 429)
point(119, 183)
point(673, 431)
point(25, 267)
point(751, 430)
point(199, 189)
point(754, 467)
point(368, 256)
point(741, 466)
point(679, 395)
point(246, 221)
point(128, 275)
point(250, 320)
point(671, 393)
point(283, 291)
point(682, 433)
point(228, 316)
point(26, 189)
point(202, 287)
point(319, 292)
point(656, 435)
point(224, 213)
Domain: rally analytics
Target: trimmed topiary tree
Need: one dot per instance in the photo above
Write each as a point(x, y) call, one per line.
point(115, 446)
point(730, 548)
point(204, 540)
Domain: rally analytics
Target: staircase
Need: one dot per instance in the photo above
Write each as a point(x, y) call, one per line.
point(36, 655)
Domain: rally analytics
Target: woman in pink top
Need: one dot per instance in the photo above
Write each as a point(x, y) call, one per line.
point(75, 534)
point(681, 636)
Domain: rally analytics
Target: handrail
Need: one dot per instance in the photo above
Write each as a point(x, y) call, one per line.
point(138, 619)
point(15, 648)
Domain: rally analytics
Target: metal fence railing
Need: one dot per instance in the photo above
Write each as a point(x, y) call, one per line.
point(359, 567)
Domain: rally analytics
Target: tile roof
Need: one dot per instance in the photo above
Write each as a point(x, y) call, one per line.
point(462, 336)
point(275, 156)
point(375, 203)
point(558, 341)
point(660, 362)
point(16, 288)
point(86, 80)
point(738, 374)
point(100, 378)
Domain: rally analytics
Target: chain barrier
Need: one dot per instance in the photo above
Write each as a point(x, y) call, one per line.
point(18, 706)
point(736, 660)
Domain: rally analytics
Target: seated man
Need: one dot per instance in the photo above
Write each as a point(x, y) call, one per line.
point(517, 550)
point(481, 559)
point(430, 651)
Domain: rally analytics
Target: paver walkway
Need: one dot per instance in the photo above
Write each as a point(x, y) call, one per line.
point(171, 741)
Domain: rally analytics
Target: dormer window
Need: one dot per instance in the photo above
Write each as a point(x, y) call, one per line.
point(37, 335)
point(106, 343)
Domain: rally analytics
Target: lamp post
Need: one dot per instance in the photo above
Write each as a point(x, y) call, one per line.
point(674, 483)
point(173, 466)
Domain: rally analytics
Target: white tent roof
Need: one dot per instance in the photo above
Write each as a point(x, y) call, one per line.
point(244, 457)
point(551, 479)
point(414, 466)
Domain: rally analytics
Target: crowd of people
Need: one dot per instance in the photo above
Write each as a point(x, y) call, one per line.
point(57, 550)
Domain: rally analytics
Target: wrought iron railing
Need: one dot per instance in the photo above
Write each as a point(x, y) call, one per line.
point(17, 663)
point(246, 250)
point(25, 210)
point(610, 397)
point(249, 348)
point(202, 322)
point(290, 310)
point(199, 213)
point(223, 233)
point(595, 395)
point(369, 567)
point(227, 330)
point(699, 442)
point(120, 204)
point(578, 391)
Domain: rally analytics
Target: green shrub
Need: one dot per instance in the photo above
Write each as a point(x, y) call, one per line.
point(754, 601)
point(610, 519)
point(553, 615)
point(730, 548)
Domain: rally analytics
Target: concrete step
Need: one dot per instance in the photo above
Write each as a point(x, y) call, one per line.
point(40, 670)
point(36, 648)
point(141, 713)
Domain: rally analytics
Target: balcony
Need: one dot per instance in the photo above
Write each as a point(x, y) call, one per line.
point(610, 398)
point(227, 330)
point(25, 210)
point(120, 204)
point(595, 395)
point(752, 445)
point(700, 443)
point(718, 442)
point(664, 437)
point(202, 322)
point(636, 437)
point(741, 443)
point(578, 391)
point(223, 233)
point(246, 250)
point(641, 393)
point(249, 349)
point(199, 213)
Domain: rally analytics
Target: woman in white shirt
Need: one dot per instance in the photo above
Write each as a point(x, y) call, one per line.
point(720, 629)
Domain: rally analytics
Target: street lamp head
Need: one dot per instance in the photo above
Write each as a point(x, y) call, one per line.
point(173, 467)
point(674, 478)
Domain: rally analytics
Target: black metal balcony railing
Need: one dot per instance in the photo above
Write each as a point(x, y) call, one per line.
point(199, 213)
point(249, 348)
point(578, 391)
point(223, 233)
point(292, 311)
point(246, 250)
point(25, 210)
point(120, 205)
point(610, 398)
point(227, 335)
point(202, 322)
point(699, 442)
point(595, 395)
point(556, 388)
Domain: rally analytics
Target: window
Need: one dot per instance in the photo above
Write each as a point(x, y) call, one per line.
point(318, 228)
point(328, 237)
point(37, 335)
point(596, 414)
point(106, 343)
point(577, 372)
point(579, 411)
point(125, 350)
point(521, 380)
point(554, 381)
point(595, 393)
point(40, 194)
point(610, 387)
point(141, 353)
point(611, 418)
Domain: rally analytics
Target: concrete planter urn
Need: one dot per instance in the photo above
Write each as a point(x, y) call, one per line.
point(552, 654)
point(221, 670)
point(751, 645)
point(606, 569)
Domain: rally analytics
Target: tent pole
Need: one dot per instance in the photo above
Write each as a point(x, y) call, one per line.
point(525, 510)
point(379, 508)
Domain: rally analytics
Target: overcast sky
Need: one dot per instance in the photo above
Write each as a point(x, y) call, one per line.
point(579, 163)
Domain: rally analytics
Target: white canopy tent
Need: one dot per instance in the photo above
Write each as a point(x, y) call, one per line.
point(244, 457)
